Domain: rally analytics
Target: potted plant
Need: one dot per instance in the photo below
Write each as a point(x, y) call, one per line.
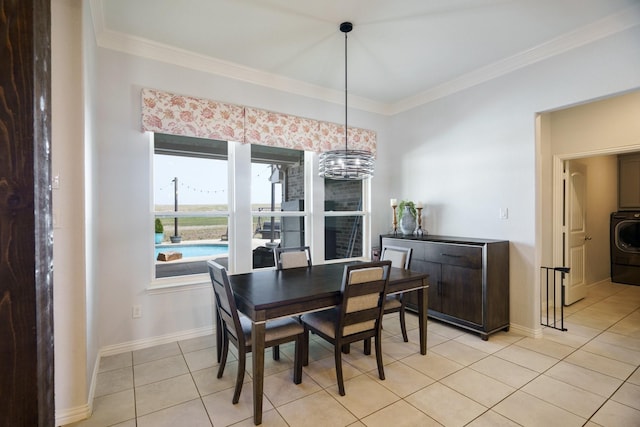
point(407, 216)
point(159, 231)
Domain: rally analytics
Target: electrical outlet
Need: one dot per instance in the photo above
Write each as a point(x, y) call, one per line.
point(136, 311)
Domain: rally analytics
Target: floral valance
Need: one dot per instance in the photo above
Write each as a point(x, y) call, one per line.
point(190, 116)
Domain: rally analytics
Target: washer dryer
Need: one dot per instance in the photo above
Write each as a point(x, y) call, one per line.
point(625, 247)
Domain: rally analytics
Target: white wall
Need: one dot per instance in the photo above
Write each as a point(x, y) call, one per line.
point(599, 126)
point(601, 200)
point(465, 156)
point(471, 153)
point(123, 178)
point(91, 202)
point(70, 337)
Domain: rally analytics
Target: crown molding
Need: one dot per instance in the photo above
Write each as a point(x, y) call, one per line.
point(149, 49)
point(160, 52)
point(582, 36)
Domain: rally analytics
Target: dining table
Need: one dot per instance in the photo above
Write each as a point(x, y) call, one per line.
point(268, 294)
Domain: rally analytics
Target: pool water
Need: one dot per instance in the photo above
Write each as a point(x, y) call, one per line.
point(191, 251)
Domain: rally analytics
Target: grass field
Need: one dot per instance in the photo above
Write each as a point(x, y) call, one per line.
point(200, 227)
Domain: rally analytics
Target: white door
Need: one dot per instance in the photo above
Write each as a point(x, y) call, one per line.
point(575, 231)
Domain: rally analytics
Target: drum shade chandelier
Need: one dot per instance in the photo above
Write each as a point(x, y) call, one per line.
point(346, 164)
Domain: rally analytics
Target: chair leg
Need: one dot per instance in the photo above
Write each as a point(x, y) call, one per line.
point(219, 333)
point(223, 354)
point(276, 352)
point(242, 358)
point(338, 357)
point(297, 362)
point(379, 357)
point(403, 324)
point(367, 346)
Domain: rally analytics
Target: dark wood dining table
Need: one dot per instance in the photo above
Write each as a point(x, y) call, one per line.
point(270, 294)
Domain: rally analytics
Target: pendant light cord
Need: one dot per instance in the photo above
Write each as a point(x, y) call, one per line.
point(339, 164)
point(345, 94)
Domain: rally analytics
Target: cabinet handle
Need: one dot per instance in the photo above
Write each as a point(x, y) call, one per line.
point(451, 256)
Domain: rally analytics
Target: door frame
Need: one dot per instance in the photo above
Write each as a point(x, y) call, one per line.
point(26, 289)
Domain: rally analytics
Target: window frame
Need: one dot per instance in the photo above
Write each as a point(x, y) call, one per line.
point(240, 217)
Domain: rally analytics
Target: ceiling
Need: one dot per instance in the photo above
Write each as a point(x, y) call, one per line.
point(401, 53)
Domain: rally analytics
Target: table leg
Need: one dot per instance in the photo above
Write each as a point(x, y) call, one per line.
point(422, 318)
point(257, 348)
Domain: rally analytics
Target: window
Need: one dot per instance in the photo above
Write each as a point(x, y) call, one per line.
point(191, 202)
point(208, 193)
point(277, 186)
point(344, 219)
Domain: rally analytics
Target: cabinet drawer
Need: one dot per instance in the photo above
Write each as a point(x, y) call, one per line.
point(463, 256)
point(417, 247)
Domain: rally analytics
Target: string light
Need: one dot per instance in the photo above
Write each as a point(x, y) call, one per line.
point(192, 188)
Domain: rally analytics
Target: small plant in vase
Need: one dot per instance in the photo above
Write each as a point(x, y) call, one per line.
point(159, 231)
point(407, 216)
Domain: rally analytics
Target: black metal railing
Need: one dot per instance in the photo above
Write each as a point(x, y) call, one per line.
point(552, 290)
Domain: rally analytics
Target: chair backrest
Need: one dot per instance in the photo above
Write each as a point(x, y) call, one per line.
point(292, 257)
point(399, 257)
point(225, 302)
point(364, 289)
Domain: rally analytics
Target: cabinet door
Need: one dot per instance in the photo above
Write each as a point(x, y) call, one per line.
point(435, 284)
point(629, 181)
point(461, 293)
point(411, 298)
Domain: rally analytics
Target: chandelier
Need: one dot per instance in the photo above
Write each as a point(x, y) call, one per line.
point(346, 164)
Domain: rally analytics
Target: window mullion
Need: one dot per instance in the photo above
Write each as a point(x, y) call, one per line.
point(240, 260)
point(314, 204)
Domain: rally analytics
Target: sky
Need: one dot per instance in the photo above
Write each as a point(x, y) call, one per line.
point(203, 181)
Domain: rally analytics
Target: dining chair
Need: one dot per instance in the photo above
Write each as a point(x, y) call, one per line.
point(358, 316)
point(237, 329)
point(292, 257)
point(400, 258)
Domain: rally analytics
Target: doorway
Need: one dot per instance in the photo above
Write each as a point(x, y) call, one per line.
point(581, 234)
point(592, 132)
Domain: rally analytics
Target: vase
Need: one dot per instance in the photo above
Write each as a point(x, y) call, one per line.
point(407, 221)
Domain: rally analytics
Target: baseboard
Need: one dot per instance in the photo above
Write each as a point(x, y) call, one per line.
point(153, 341)
point(71, 415)
point(527, 332)
point(68, 416)
point(607, 280)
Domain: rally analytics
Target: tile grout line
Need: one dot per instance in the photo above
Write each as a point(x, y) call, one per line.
point(581, 348)
point(449, 339)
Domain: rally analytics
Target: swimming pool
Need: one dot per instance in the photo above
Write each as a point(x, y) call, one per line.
point(194, 250)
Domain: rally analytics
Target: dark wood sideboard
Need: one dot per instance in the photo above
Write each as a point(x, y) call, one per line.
point(468, 279)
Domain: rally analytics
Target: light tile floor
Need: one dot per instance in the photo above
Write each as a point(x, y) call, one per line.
point(587, 376)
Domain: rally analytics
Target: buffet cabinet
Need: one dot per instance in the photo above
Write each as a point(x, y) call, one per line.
point(468, 279)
